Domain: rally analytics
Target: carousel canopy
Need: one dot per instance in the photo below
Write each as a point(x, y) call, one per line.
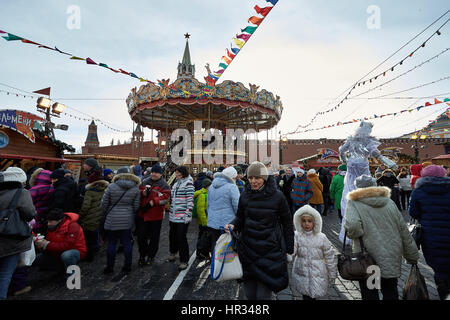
point(228, 105)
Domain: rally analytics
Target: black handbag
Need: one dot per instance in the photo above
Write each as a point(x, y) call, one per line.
point(354, 266)
point(415, 229)
point(11, 223)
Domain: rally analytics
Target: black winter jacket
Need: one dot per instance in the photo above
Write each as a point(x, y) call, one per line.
point(266, 230)
point(65, 196)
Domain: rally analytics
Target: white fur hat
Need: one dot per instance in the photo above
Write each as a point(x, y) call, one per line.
point(14, 174)
point(311, 171)
point(230, 172)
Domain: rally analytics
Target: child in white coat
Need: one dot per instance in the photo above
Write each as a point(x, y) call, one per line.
point(315, 263)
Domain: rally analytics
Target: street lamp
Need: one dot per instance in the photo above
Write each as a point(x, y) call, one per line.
point(43, 105)
point(416, 137)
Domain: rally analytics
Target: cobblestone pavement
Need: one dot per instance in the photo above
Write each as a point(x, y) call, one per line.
point(162, 280)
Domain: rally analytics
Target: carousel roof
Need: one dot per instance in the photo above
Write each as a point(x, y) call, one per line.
point(224, 106)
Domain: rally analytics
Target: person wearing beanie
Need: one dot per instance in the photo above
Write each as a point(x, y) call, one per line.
point(430, 205)
point(64, 245)
point(315, 265)
point(302, 190)
point(92, 170)
point(316, 200)
point(11, 181)
point(210, 175)
point(198, 182)
point(91, 214)
point(374, 217)
point(388, 179)
point(239, 182)
point(200, 205)
point(266, 230)
point(119, 205)
point(155, 195)
point(337, 187)
point(41, 192)
point(221, 168)
point(108, 175)
point(65, 195)
point(222, 205)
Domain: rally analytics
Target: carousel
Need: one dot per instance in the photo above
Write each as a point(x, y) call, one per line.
point(166, 106)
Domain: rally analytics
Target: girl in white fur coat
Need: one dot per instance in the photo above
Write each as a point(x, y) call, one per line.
point(315, 263)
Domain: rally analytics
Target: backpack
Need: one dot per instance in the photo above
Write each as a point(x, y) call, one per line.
point(11, 223)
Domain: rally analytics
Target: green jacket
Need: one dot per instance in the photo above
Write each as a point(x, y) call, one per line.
point(201, 196)
point(372, 215)
point(91, 213)
point(336, 188)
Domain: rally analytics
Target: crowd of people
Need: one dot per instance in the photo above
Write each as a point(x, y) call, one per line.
point(277, 215)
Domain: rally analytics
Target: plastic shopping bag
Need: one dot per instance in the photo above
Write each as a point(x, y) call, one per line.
point(415, 286)
point(27, 258)
point(225, 264)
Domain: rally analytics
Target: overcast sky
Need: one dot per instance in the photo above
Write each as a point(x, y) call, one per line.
point(307, 52)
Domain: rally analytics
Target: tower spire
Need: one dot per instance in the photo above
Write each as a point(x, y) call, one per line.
point(186, 70)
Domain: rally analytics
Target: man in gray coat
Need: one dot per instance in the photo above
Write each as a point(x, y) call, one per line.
point(11, 180)
point(120, 205)
point(374, 217)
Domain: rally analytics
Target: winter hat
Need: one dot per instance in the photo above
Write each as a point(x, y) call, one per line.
point(230, 172)
point(91, 162)
point(365, 181)
point(58, 174)
point(258, 169)
point(67, 171)
point(123, 170)
point(14, 174)
point(282, 171)
point(426, 164)
point(342, 167)
point(107, 171)
point(221, 168)
point(210, 174)
point(298, 169)
point(157, 168)
point(238, 170)
point(206, 183)
point(55, 214)
point(311, 171)
point(433, 171)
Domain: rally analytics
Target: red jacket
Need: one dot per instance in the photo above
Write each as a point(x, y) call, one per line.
point(159, 193)
point(415, 170)
point(69, 235)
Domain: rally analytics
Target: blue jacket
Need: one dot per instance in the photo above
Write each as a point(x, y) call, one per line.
point(430, 204)
point(223, 200)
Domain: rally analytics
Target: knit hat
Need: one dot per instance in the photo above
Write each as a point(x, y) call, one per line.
point(433, 171)
point(230, 172)
point(298, 169)
point(311, 171)
point(282, 171)
point(365, 181)
point(14, 174)
point(258, 169)
point(210, 174)
point(221, 168)
point(238, 169)
point(107, 171)
point(55, 214)
point(123, 170)
point(206, 183)
point(58, 174)
point(342, 167)
point(91, 162)
point(157, 168)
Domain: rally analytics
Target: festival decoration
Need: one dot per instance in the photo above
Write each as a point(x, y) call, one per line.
point(375, 116)
point(20, 121)
point(240, 40)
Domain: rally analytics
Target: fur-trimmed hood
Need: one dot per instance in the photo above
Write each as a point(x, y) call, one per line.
point(308, 210)
point(40, 177)
point(99, 185)
point(372, 196)
point(126, 180)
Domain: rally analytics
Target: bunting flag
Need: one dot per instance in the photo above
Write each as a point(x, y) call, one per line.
point(263, 11)
point(249, 29)
point(45, 91)
point(243, 36)
point(427, 104)
point(240, 41)
point(255, 20)
point(11, 37)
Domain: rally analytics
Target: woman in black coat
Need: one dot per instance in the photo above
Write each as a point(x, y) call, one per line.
point(266, 230)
